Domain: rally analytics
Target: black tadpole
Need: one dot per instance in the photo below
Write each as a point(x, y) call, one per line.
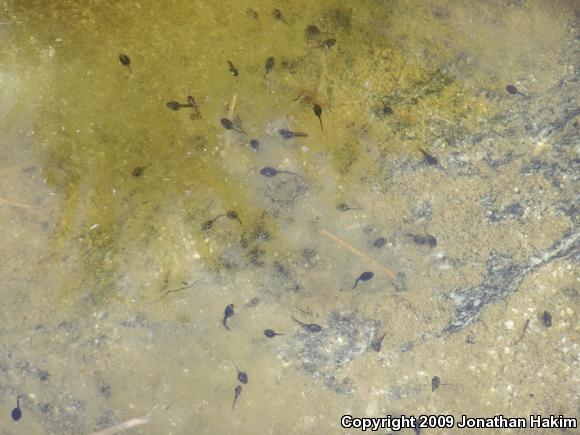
point(269, 65)
point(126, 61)
point(310, 327)
point(376, 344)
point(232, 68)
point(229, 125)
point(288, 134)
point(17, 412)
point(512, 90)
point(242, 376)
point(255, 145)
point(206, 226)
point(365, 276)
point(237, 393)
point(429, 158)
point(278, 15)
point(233, 215)
point(318, 113)
point(228, 312)
point(270, 333)
point(435, 382)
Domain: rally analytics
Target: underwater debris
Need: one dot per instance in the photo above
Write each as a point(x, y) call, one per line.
point(524, 329)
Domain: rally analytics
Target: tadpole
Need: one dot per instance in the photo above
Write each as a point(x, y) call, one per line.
point(376, 344)
point(17, 412)
point(237, 393)
point(242, 376)
point(276, 13)
point(318, 113)
point(229, 125)
point(272, 172)
point(512, 90)
point(233, 69)
point(270, 333)
point(228, 312)
point(126, 61)
point(233, 215)
point(429, 158)
point(547, 319)
point(426, 239)
point(435, 382)
point(255, 145)
point(365, 276)
point(310, 327)
point(288, 134)
point(206, 226)
point(269, 65)
point(311, 32)
point(345, 207)
point(139, 170)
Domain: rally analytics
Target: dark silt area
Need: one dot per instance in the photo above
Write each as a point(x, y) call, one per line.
point(252, 217)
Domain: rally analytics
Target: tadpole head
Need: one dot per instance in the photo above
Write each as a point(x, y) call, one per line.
point(124, 59)
point(227, 124)
point(317, 110)
point(365, 276)
point(173, 105)
point(269, 171)
point(511, 89)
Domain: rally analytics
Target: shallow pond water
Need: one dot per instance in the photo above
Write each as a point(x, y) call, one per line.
point(366, 208)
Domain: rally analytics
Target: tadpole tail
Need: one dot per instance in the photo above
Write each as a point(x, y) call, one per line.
point(225, 323)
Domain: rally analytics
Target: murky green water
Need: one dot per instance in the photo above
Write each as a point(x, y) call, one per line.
point(459, 199)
